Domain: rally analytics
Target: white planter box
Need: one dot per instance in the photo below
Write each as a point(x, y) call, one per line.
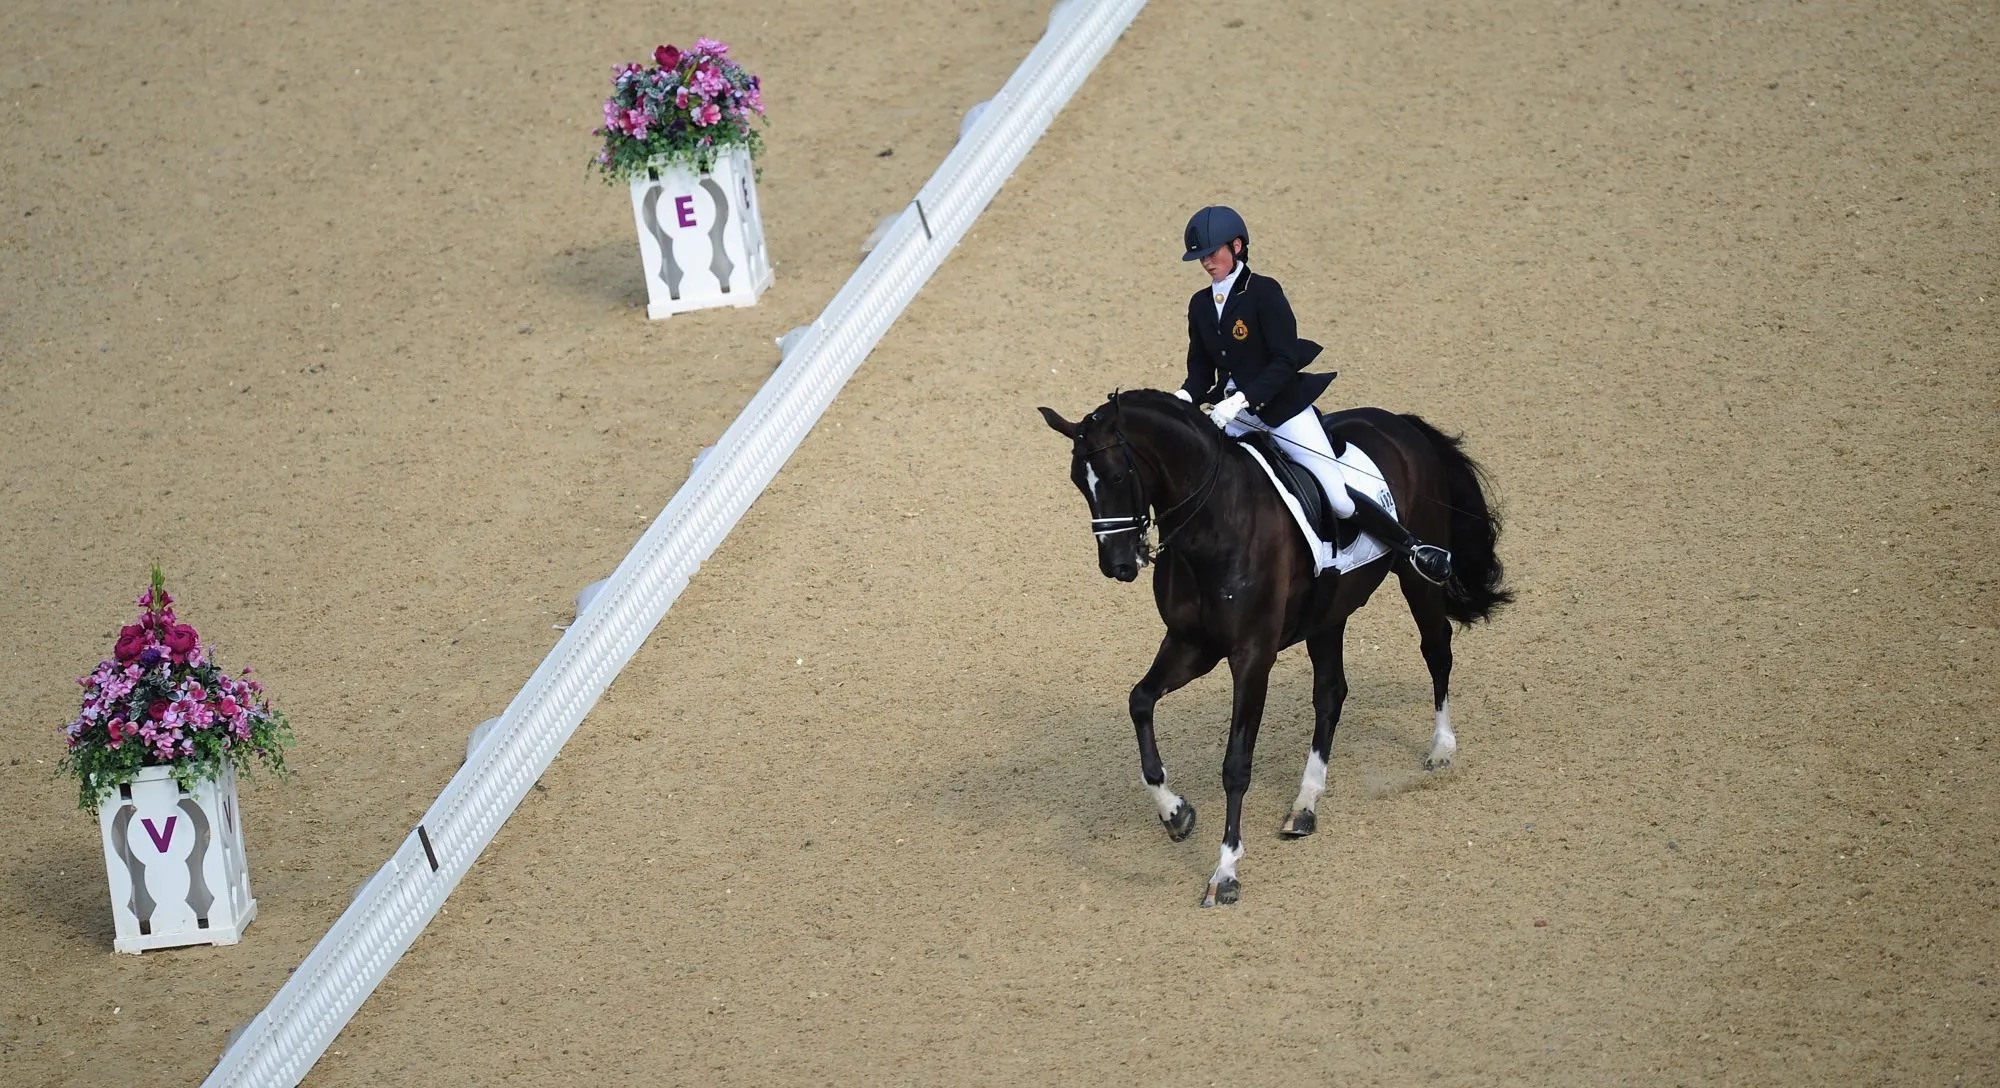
point(701, 237)
point(178, 872)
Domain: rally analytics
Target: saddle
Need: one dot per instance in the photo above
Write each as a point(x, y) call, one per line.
point(1305, 487)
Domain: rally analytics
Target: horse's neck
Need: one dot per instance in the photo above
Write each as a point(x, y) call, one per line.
point(1183, 455)
point(1205, 504)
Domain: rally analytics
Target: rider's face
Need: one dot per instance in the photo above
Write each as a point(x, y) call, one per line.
point(1218, 263)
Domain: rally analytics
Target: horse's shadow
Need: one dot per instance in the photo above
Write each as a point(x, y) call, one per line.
point(1075, 776)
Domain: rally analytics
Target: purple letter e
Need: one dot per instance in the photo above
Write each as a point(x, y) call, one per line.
point(684, 210)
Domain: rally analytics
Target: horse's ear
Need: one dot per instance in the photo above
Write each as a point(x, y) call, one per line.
point(1058, 424)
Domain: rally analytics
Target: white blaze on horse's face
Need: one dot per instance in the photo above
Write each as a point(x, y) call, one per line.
point(1120, 535)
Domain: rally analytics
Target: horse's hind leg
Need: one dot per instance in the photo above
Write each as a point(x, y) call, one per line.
point(1434, 628)
point(1329, 692)
point(1176, 663)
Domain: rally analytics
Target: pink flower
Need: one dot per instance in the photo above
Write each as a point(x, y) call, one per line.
point(706, 115)
point(667, 56)
point(132, 639)
point(708, 80)
point(710, 47)
point(181, 640)
point(636, 123)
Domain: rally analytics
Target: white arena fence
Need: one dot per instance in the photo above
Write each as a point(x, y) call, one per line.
point(281, 1044)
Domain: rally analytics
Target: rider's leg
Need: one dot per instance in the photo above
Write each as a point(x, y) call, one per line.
point(1306, 441)
point(1428, 560)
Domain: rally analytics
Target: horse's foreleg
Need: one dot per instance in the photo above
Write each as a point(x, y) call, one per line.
point(1329, 692)
point(1252, 671)
point(1176, 663)
point(1434, 628)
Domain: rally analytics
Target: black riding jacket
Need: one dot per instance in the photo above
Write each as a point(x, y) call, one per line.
point(1256, 342)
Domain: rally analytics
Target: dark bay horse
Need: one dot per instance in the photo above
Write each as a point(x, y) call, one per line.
point(1234, 579)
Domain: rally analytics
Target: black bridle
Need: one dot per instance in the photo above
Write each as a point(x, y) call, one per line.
point(1142, 522)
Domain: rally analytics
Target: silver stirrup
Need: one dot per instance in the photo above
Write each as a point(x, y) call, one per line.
point(1429, 552)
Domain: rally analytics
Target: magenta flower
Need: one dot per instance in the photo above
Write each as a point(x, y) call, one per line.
point(708, 80)
point(685, 104)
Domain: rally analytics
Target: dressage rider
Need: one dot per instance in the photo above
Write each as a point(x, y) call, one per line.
point(1245, 358)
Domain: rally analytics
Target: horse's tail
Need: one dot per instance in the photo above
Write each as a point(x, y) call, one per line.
point(1474, 592)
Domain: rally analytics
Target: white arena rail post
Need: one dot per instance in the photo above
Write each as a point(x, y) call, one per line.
point(281, 1044)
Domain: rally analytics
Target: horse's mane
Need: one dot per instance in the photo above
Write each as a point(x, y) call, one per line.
point(1160, 400)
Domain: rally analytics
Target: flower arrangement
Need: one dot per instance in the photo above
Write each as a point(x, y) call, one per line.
point(161, 700)
point(685, 109)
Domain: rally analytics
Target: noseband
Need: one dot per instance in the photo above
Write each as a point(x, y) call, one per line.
point(1142, 522)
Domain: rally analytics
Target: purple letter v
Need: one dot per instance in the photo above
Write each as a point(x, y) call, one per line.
point(161, 841)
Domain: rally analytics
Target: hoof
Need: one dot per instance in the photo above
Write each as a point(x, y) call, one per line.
point(1181, 824)
point(1223, 894)
point(1437, 761)
point(1299, 824)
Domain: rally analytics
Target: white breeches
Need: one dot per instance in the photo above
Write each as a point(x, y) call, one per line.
point(1304, 441)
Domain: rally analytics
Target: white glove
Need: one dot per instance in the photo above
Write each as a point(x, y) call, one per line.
point(1183, 394)
point(1226, 412)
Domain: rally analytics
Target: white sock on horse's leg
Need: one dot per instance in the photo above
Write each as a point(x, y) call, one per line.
point(1165, 799)
point(1444, 743)
point(1312, 784)
point(1225, 866)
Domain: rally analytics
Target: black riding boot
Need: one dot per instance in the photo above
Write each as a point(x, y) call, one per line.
point(1428, 560)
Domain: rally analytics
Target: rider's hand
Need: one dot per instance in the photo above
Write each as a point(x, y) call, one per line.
point(1226, 412)
point(1183, 394)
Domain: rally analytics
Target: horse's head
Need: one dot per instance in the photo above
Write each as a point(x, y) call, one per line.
point(1112, 475)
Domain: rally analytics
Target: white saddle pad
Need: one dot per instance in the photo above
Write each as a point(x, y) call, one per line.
point(1360, 472)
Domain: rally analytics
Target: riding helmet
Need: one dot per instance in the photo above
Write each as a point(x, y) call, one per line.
point(1210, 229)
